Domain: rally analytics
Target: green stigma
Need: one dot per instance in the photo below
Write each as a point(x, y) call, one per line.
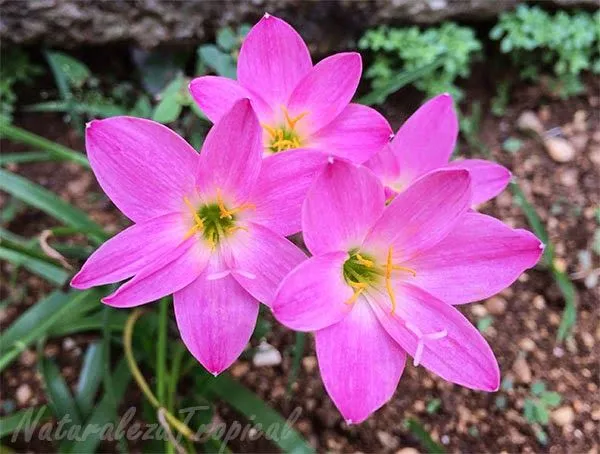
point(215, 224)
point(360, 269)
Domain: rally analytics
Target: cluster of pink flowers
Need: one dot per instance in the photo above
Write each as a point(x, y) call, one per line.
point(394, 240)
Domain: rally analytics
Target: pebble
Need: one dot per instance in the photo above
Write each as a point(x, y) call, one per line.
point(23, 394)
point(579, 142)
point(387, 439)
point(528, 121)
point(569, 178)
point(496, 305)
point(522, 370)
point(527, 344)
point(539, 302)
point(580, 121)
point(563, 416)
point(478, 310)
point(309, 363)
point(559, 149)
point(28, 358)
point(240, 369)
point(266, 356)
point(408, 451)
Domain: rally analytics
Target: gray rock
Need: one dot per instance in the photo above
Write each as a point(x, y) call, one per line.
point(149, 23)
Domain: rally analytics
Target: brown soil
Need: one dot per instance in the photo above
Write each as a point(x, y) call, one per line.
point(523, 335)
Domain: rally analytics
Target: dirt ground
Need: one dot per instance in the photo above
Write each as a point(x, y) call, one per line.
point(525, 317)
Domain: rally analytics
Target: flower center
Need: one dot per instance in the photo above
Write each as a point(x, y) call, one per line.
point(214, 220)
point(361, 272)
point(284, 137)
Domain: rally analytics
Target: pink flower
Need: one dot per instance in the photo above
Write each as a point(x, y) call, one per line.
point(382, 282)
point(299, 105)
point(425, 142)
point(206, 227)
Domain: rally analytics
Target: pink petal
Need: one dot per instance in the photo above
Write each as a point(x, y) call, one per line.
point(326, 91)
point(232, 153)
point(426, 140)
point(131, 250)
point(386, 166)
point(439, 337)
point(480, 257)
point(360, 363)
point(216, 96)
point(314, 295)
point(356, 134)
point(341, 206)
point(488, 179)
point(215, 318)
point(144, 167)
point(273, 59)
point(423, 215)
point(166, 275)
point(260, 259)
point(282, 186)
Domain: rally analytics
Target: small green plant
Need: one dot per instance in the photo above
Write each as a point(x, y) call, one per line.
point(537, 408)
point(222, 56)
point(406, 49)
point(562, 43)
point(15, 68)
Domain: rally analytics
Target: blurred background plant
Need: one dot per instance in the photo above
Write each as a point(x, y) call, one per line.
point(555, 46)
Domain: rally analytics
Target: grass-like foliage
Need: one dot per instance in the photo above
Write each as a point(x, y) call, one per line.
point(562, 44)
point(406, 49)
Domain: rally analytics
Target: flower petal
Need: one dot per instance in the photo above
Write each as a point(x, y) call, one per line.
point(439, 337)
point(423, 215)
point(342, 204)
point(313, 296)
point(232, 153)
point(216, 318)
point(130, 251)
point(282, 187)
point(488, 179)
point(273, 59)
point(356, 134)
point(480, 257)
point(216, 96)
point(360, 363)
point(170, 273)
point(426, 140)
point(386, 166)
point(144, 167)
point(326, 90)
point(260, 259)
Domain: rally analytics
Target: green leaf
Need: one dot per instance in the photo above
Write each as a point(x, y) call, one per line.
point(512, 145)
point(48, 202)
point(380, 94)
point(37, 321)
point(104, 412)
point(227, 39)
point(551, 398)
point(485, 323)
point(52, 273)
point(23, 419)
point(434, 405)
point(89, 379)
point(541, 413)
point(541, 436)
point(19, 135)
point(529, 411)
point(169, 107)
point(91, 109)
point(297, 353)
point(538, 388)
point(67, 70)
point(62, 403)
point(252, 406)
point(28, 156)
point(219, 61)
point(417, 429)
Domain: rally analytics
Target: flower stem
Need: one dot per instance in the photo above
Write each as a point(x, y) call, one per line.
point(141, 381)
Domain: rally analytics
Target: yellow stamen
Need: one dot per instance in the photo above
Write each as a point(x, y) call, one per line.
point(403, 268)
point(197, 218)
point(272, 131)
point(236, 228)
point(389, 266)
point(363, 261)
point(358, 287)
point(292, 121)
point(225, 213)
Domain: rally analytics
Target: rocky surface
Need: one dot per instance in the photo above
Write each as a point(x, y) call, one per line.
point(149, 23)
